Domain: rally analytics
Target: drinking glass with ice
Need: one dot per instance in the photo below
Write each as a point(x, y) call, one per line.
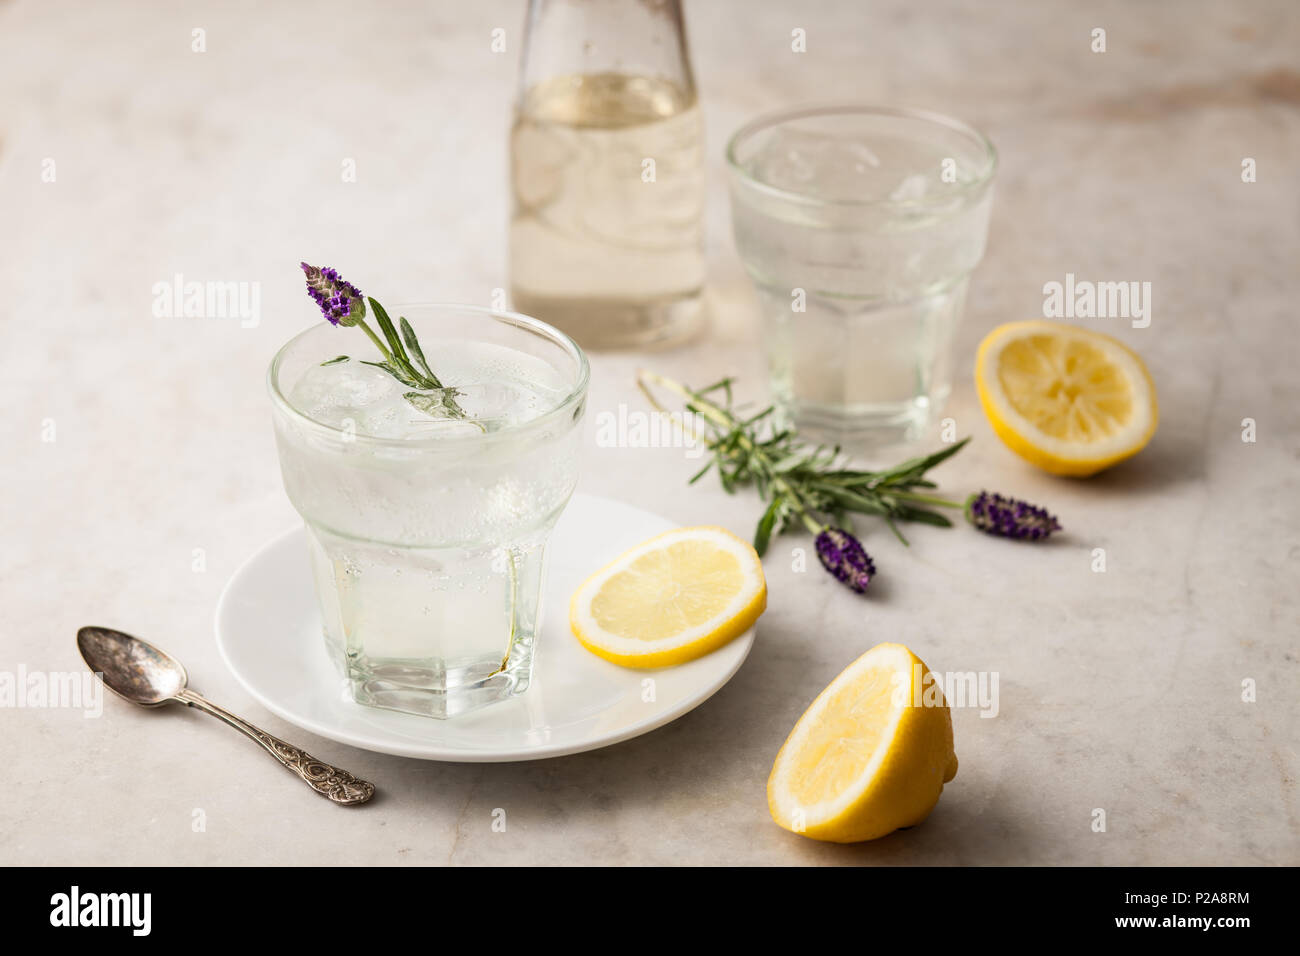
point(428, 508)
point(860, 227)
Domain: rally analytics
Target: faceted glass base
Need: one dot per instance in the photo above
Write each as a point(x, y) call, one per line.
point(429, 688)
point(863, 428)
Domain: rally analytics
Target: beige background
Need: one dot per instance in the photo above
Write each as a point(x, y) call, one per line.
point(1118, 691)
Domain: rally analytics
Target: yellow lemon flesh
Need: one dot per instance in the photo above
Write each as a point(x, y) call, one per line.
point(870, 755)
point(670, 599)
point(1069, 400)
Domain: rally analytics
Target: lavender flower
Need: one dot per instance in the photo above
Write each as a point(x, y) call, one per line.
point(843, 556)
point(1009, 517)
point(340, 302)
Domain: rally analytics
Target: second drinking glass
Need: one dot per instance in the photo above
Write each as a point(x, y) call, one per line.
point(860, 227)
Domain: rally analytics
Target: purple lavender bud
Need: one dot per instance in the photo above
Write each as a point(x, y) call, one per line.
point(843, 556)
point(339, 301)
point(1009, 517)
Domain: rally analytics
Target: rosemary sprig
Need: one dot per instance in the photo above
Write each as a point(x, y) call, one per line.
point(801, 482)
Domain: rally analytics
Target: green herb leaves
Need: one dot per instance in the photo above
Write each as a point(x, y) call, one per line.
point(397, 362)
point(799, 481)
point(412, 343)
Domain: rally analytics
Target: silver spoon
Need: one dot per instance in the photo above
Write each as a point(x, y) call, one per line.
point(137, 671)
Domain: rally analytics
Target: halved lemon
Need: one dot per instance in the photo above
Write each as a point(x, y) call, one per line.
point(870, 755)
point(1069, 400)
point(670, 599)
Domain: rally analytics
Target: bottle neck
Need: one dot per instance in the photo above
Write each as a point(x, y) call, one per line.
point(636, 38)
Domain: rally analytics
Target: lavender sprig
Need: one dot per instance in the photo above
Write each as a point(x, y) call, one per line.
point(339, 301)
point(342, 304)
point(1009, 517)
point(844, 557)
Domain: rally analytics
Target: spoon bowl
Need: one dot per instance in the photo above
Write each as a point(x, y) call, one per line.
point(132, 669)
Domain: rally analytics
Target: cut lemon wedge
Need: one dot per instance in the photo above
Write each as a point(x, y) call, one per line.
point(870, 755)
point(1067, 399)
point(670, 599)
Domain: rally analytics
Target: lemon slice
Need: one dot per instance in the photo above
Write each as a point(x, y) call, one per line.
point(1069, 400)
point(670, 599)
point(870, 755)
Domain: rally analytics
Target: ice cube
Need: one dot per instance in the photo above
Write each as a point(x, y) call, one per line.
point(496, 402)
point(914, 186)
point(346, 390)
point(820, 165)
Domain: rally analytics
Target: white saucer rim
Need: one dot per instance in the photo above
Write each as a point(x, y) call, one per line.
point(745, 641)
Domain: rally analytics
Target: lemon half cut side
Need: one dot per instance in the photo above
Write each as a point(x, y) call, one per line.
point(1067, 399)
point(871, 754)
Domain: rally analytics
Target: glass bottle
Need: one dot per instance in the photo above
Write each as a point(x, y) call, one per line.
point(607, 174)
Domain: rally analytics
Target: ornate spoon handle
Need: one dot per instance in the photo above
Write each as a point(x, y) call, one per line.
point(339, 785)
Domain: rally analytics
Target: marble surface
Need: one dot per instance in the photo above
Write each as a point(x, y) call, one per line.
point(1119, 690)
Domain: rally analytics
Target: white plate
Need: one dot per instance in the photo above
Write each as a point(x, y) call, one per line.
point(269, 633)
